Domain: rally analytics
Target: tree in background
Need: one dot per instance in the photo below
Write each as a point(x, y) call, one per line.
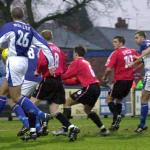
point(73, 6)
point(5, 15)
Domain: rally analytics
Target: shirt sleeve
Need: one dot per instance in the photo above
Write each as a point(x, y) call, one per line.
point(144, 46)
point(71, 81)
point(40, 42)
point(5, 32)
point(64, 61)
point(111, 61)
point(41, 62)
point(71, 71)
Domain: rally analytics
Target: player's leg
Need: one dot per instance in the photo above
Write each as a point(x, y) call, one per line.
point(111, 101)
point(144, 110)
point(17, 109)
point(24, 102)
point(15, 75)
point(111, 105)
point(27, 89)
point(67, 107)
point(3, 93)
point(88, 99)
point(56, 98)
point(120, 90)
point(68, 128)
point(96, 119)
point(41, 93)
point(61, 118)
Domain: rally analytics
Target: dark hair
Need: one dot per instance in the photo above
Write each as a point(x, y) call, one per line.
point(141, 33)
point(121, 39)
point(47, 34)
point(80, 50)
point(17, 13)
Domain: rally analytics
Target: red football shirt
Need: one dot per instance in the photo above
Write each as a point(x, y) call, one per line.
point(82, 70)
point(119, 60)
point(59, 57)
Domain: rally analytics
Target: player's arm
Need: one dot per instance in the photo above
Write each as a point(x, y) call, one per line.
point(71, 81)
point(144, 53)
point(106, 74)
point(5, 32)
point(138, 59)
point(139, 66)
point(64, 61)
point(71, 71)
point(111, 61)
point(40, 62)
point(39, 41)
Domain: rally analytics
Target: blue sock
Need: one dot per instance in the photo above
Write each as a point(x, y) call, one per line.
point(21, 115)
point(3, 100)
point(28, 106)
point(38, 124)
point(144, 112)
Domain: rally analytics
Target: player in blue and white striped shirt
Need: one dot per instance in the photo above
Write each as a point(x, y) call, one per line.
point(144, 45)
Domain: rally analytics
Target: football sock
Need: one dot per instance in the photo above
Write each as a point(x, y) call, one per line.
point(118, 108)
point(96, 119)
point(3, 100)
point(29, 107)
point(38, 124)
point(67, 113)
point(112, 109)
point(63, 120)
point(21, 115)
point(144, 112)
point(111, 106)
point(32, 120)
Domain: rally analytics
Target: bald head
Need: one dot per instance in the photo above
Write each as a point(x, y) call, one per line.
point(17, 13)
point(47, 34)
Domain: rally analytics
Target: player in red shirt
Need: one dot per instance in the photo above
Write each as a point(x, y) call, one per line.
point(81, 70)
point(119, 60)
point(51, 87)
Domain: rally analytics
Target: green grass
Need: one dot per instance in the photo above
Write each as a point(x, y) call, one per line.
point(89, 139)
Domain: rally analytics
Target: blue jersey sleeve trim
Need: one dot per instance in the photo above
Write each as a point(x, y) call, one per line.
point(5, 29)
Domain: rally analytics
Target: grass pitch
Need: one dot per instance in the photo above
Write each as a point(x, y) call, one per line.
point(88, 139)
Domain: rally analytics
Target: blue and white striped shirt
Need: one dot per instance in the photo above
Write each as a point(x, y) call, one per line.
point(20, 36)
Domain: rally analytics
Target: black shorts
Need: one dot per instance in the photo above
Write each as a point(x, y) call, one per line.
point(87, 95)
point(121, 89)
point(52, 90)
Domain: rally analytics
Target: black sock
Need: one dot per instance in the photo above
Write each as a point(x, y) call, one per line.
point(67, 113)
point(119, 108)
point(63, 120)
point(111, 106)
point(95, 118)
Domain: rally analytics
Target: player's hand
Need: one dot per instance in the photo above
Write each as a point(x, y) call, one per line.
point(135, 57)
point(36, 73)
point(104, 81)
point(131, 64)
point(52, 71)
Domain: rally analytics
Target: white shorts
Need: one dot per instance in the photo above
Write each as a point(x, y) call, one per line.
point(28, 87)
point(16, 68)
point(146, 84)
